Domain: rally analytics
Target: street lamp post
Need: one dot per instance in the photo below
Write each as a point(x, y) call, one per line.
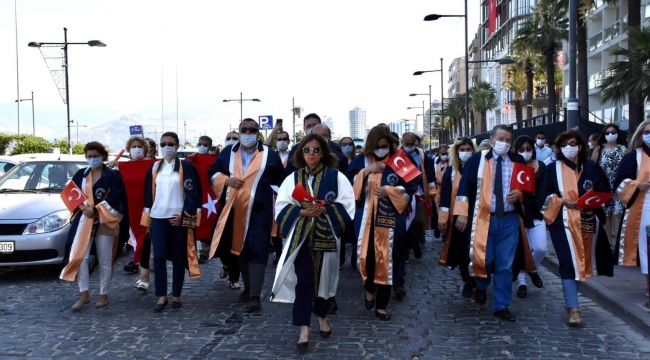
point(64, 44)
point(241, 104)
point(77, 126)
point(442, 99)
point(417, 107)
point(33, 121)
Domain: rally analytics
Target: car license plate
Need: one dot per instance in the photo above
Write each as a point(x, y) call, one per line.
point(6, 247)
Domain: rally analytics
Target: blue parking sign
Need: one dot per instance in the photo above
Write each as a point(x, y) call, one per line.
point(136, 130)
point(266, 122)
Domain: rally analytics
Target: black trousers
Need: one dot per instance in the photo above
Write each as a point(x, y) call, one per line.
point(277, 245)
point(146, 252)
point(382, 292)
point(228, 259)
point(302, 305)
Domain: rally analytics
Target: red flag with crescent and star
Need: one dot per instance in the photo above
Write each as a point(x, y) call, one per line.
point(523, 178)
point(403, 166)
point(594, 199)
point(72, 196)
point(300, 194)
point(210, 202)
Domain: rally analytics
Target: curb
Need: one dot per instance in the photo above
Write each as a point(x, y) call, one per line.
point(633, 315)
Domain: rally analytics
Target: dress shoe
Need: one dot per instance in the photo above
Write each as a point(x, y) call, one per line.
point(326, 334)
point(504, 314)
point(574, 318)
point(537, 281)
point(468, 289)
point(417, 251)
point(332, 306)
point(521, 291)
point(83, 300)
point(302, 345)
point(399, 291)
point(176, 304)
point(131, 268)
point(254, 305)
point(245, 296)
point(159, 306)
point(382, 316)
point(369, 303)
point(203, 259)
point(103, 301)
point(480, 297)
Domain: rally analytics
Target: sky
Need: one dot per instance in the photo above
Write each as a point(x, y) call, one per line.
point(329, 55)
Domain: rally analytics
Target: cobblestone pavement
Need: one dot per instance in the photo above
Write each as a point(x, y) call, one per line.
point(433, 322)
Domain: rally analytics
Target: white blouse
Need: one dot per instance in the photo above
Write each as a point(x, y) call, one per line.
point(169, 195)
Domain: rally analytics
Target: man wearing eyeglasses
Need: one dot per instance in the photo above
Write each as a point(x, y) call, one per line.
point(241, 177)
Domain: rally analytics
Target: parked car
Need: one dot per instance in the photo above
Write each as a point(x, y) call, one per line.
point(6, 163)
point(34, 222)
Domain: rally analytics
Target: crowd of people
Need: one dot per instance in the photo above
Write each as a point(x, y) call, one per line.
point(307, 201)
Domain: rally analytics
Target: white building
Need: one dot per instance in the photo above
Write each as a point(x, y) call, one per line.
point(329, 122)
point(357, 123)
point(399, 127)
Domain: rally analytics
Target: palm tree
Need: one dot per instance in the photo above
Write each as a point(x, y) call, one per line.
point(544, 30)
point(517, 83)
point(531, 61)
point(484, 99)
point(456, 111)
point(630, 77)
point(637, 107)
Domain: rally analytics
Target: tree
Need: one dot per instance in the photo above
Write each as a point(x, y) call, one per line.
point(517, 83)
point(78, 149)
point(630, 77)
point(531, 61)
point(30, 144)
point(544, 31)
point(484, 99)
point(456, 111)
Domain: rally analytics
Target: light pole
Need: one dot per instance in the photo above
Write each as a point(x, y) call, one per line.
point(241, 104)
point(572, 101)
point(65, 44)
point(77, 126)
point(33, 121)
point(442, 100)
point(417, 107)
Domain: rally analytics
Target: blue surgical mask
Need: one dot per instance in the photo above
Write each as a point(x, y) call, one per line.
point(347, 149)
point(409, 149)
point(646, 139)
point(94, 162)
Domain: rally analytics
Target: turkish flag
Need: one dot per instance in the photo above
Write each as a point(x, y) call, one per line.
point(523, 178)
point(594, 199)
point(72, 196)
point(209, 200)
point(427, 207)
point(134, 174)
point(301, 195)
point(402, 166)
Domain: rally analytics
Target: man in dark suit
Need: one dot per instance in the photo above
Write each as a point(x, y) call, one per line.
point(309, 122)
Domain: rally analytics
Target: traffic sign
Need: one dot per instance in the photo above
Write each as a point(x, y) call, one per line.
point(136, 130)
point(266, 122)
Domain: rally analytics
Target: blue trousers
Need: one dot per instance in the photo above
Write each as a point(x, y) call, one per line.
point(503, 237)
point(169, 242)
point(570, 289)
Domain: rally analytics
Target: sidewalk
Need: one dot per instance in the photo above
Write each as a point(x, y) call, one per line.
point(623, 294)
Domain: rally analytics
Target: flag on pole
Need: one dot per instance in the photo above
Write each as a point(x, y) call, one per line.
point(72, 196)
point(403, 166)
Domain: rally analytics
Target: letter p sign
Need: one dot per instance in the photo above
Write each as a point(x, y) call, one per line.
point(266, 122)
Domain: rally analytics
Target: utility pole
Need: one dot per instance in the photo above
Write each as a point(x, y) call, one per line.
point(572, 101)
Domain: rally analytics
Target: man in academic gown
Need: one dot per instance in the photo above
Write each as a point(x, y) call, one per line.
point(242, 177)
point(309, 122)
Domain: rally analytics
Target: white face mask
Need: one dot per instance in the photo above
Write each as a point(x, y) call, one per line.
point(308, 131)
point(380, 153)
point(591, 146)
point(464, 155)
point(611, 137)
point(347, 149)
point(409, 149)
point(248, 140)
point(283, 145)
point(646, 139)
point(540, 142)
point(501, 147)
point(203, 149)
point(94, 162)
point(570, 152)
point(168, 152)
point(136, 153)
point(527, 155)
point(444, 157)
point(231, 142)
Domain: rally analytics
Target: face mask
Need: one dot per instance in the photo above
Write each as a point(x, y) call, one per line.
point(94, 162)
point(137, 153)
point(347, 149)
point(501, 147)
point(444, 157)
point(203, 149)
point(570, 152)
point(591, 146)
point(464, 155)
point(540, 142)
point(248, 140)
point(646, 139)
point(168, 152)
point(358, 153)
point(308, 131)
point(527, 155)
point(231, 142)
point(380, 153)
point(611, 137)
point(283, 145)
point(409, 149)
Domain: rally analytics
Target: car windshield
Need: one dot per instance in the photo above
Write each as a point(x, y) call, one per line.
point(40, 176)
point(5, 166)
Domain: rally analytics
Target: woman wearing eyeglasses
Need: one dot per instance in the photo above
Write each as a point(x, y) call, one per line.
point(309, 262)
point(172, 209)
point(456, 249)
point(574, 231)
point(608, 153)
point(380, 221)
point(632, 185)
point(534, 220)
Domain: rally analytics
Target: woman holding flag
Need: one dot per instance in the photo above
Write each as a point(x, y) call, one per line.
point(96, 220)
point(576, 188)
point(382, 195)
point(313, 206)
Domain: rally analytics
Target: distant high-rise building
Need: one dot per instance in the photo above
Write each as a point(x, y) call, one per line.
point(329, 122)
point(358, 123)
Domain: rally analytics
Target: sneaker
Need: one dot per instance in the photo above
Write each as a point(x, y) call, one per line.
point(131, 268)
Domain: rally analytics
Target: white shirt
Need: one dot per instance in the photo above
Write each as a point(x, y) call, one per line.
point(283, 155)
point(169, 195)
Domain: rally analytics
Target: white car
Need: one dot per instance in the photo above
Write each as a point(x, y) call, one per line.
point(6, 163)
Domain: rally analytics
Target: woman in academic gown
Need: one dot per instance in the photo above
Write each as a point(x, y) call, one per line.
point(308, 271)
point(574, 230)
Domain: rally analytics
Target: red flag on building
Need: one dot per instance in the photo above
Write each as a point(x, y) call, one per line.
point(523, 178)
point(209, 200)
point(594, 199)
point(492, 16)
point(134, 174)
point(402, 166)
point(72, 196)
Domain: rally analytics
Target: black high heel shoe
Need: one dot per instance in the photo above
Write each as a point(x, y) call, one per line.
point(382, 317)
point(326, 334)
point(369, 303)
point(302, 345)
